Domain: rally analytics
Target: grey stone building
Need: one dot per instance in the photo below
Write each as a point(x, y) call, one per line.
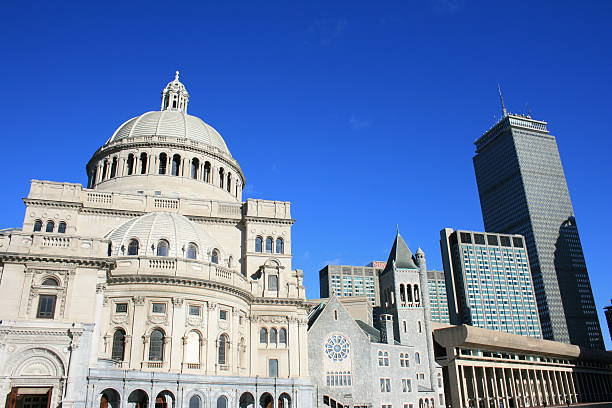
point(489, 281)
point(390, 365)
point(523, 190)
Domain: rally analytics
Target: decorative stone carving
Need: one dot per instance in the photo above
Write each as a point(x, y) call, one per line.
point(101, 287)
point(138, 300)
point(177, 302)
point(194, 321)
point(120, 319)
point(163, 320)
point(212, 306)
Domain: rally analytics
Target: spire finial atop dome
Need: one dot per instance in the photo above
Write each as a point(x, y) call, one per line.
point(175, 96)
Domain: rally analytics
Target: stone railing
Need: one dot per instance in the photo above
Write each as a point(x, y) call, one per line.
point(55, 241)
point(44, 243)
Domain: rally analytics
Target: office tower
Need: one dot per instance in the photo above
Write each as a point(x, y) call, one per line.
point(489, 282)
point(437, 296)
point(523, 190)
point(347, 280)
point(608, 312)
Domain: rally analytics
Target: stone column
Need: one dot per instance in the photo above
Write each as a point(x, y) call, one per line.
point(138, 331)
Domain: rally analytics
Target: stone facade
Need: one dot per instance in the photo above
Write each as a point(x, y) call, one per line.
point(155, 283)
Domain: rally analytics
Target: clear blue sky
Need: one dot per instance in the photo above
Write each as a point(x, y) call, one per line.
point(362, 114)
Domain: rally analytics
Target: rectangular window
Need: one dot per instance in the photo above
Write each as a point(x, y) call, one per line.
point(273, 367)
point(46, 306)
point(195, 310)
point(406, 385)
point(121, 307)
point(273, 282)
point(159, 308)
point(385, 385)
point(223, 314)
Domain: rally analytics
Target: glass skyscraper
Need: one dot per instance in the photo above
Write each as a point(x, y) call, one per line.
point(438, 301)
point(489, 282)
point(523, 191)
point(347, 280)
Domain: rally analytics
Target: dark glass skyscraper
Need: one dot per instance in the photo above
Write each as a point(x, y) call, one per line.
point(523, 191)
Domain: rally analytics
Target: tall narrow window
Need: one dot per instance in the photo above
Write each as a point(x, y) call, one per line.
point(113, 172)
point(273, 367)
point(192, 251)
point(118, 345)
point(221, 177)
point(93, 180)
point(50, 226)
point(37, 226)
point(273, 336)
point(143, 163)
point(163, 162)
point(269, 245)
point(280, 246)
point(207, 172)
point(282, 336)
point(195, 167)
point(105, 170)
point(46, 306)
point(259, 244)
point(61, 228)
point(263, 335)
point(273, 282)
point(130, 164)
point(229, 182)
point(162, 247)
point(222, 352)
point(133, 247)
point(214, 257)
point(417, 358)
point(156, 346)
point(176, 165)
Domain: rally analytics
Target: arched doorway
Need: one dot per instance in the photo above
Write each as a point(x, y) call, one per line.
point(266, 401)
point(284, 401)
point(164, 399)
point(246, 401)
point(109, 398)
point(138, 399)
point(222, 402)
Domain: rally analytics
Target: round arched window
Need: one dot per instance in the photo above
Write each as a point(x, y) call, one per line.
point(192, 251)
point(162, 247)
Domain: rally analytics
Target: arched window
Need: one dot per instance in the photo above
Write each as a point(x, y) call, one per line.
point(221, 177)
point(229, 182)
point(192, 348)
point(37, 226)
point(222, 352)
point(282, 336)
point(163, 162)
point(61, 228)
point(105, 170)
point(280, 246)
point(269, 245)
point(207, 172)
point(192, 251)
point(230, 262)
point(259, 244)
point(402, 294)
point(162, 247)
point(133, 247)
point(195, 401)
point(284, 401)
point(113, 172)
point(214, 257)
point(195, 167)
point(130, 164)
point(50, 226)
point(246, 401)
point(417, 358)
point(93, 180)
point(273, 336)
point(50, 282)
point(263, 335)
point(143, 163)
point(156, 346)
point(417, 297)
point(118, 350)
point(409, 293)
point(222, 402)
point(176, 164)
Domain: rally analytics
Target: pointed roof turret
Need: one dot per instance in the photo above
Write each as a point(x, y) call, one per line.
point(400, 254)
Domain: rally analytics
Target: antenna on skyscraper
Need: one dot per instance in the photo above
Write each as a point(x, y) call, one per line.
point(503, 105)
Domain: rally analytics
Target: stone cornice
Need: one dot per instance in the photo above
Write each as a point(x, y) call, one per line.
point(52, 203)
point(172, 280)
point(54, 260)
point(281, 301)
point(286, 221)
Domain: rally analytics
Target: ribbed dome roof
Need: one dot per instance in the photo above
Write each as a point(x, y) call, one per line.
point(150, 228)
point(172, 124)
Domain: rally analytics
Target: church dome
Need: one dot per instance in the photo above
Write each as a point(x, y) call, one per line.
point(170, 123)
point(152, 228)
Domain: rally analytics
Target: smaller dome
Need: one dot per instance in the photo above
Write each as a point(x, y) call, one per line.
point(149, 229)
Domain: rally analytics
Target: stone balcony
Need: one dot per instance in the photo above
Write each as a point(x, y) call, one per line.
point(49, 244)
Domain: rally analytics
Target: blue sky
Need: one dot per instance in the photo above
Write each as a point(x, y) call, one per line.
point(362, 114)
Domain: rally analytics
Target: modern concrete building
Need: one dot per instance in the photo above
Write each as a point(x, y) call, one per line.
point(484, 368)
point(347, 280)
point(389, 365)
point(523, 190)
point(489, 283)
point(438, 297)
point(157, 284)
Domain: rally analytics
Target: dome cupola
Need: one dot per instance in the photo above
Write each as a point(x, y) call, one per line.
point(175, 96)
